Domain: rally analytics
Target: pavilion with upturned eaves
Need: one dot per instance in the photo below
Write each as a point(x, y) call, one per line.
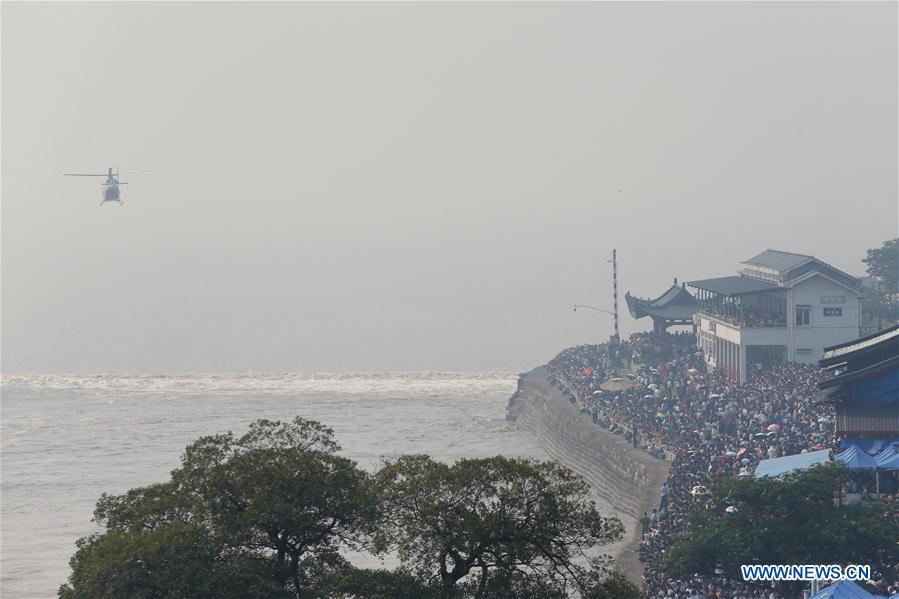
point(674, 307)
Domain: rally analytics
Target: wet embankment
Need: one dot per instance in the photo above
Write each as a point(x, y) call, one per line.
point(627, 478)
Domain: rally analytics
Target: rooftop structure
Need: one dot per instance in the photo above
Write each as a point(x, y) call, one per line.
point(865, 385)
point(780, 307)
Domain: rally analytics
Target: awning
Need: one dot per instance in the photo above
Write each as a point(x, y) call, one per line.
point(775, 467)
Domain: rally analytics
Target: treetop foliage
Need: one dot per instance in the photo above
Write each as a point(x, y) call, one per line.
point(269, 513)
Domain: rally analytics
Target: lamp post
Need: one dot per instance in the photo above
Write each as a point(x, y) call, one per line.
point(609, 312)
point(616, 339)
point(612, 359)
point(576, 306)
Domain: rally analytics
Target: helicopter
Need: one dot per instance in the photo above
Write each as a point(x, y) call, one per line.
point(111, 191)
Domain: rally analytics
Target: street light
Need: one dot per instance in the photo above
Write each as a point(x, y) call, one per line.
point(610, 313)
point(576, 306)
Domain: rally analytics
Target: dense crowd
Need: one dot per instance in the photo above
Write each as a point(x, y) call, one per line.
point(710, 426)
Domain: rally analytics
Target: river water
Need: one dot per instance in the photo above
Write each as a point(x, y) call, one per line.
point(67, 439)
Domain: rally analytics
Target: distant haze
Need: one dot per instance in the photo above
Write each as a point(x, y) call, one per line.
point(370, 187)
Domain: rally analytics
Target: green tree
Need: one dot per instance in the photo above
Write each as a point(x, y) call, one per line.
point(353, 583)
point(882, 304)
point(268, 514)
point(172, 560)
point(494, 527)
point(265, 514)
point(883, 264)
point(794, 520)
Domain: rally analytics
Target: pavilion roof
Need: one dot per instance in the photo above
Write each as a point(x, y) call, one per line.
point(676, 303)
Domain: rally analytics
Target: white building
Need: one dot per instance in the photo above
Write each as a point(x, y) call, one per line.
point(781, 307)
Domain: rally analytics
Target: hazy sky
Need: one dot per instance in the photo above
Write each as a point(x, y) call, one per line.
point(367, 187)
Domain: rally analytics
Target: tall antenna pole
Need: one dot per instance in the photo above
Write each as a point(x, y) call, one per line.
point(614, 262)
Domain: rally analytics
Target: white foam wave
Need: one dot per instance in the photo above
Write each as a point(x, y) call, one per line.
point(369, 382)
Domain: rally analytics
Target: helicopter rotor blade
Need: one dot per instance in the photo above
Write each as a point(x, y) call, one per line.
point(82, 175)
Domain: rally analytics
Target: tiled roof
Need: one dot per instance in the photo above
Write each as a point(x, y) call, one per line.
point(733, 285)
point(778, 260)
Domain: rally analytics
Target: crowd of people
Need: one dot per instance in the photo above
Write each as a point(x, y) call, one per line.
point(753, 317)
point(707, 424)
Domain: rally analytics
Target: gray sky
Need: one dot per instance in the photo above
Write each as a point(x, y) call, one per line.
point(366, 187)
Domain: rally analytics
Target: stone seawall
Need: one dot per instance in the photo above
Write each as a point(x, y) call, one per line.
point(628, 479)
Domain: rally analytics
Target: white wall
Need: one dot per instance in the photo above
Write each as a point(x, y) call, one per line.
point(822, 331)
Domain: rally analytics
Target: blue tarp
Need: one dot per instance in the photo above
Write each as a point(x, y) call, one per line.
point(870, 445)
point(879, 389)
point(845, 589)
point(856, 459)
point(780, 466)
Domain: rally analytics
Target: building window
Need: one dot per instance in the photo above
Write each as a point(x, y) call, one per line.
point(803, 315)
point(833, 299)
point(833, 311)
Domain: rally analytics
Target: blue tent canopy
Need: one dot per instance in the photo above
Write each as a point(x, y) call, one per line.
point(888, 459)
point(870, 445)
point(856, 459)
point(886, 453)
point(845, 589)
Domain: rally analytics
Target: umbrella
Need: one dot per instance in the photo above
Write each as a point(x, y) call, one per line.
point(743, 475)
point(773, 427)
point(817, 447)
point(692, 370)
point(731, 509)
point(653, 386)
point(597, 392)
point(616, 384)
point(758, 435)
point(745, 443)
point(730, 454)
point(722, 458)
point(715, 396)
